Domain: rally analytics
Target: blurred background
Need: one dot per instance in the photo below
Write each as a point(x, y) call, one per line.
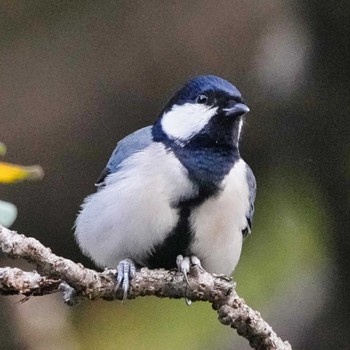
point(77, 76)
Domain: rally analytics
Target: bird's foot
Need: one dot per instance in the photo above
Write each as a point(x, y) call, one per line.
point(126, 272)
point(69, 294)
point(184, 264)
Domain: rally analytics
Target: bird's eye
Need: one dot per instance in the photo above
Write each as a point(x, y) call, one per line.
point(202, 98)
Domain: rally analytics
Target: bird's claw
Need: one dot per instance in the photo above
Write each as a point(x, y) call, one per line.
point(184, 264)
point(126, 271)
point(196, 262)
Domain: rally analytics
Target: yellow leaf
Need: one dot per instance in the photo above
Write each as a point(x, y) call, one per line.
point(10, 173)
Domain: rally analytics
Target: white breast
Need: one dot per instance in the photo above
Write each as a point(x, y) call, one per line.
point(218, 224)
point(132, 213)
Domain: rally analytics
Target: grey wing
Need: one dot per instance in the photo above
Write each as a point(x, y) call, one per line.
point(252, 192)
point(132, 143)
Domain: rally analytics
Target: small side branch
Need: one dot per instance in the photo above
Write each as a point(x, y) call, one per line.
point(55, 271)
point(16, 281)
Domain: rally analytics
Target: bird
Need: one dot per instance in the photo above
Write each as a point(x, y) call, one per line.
point(176, 193)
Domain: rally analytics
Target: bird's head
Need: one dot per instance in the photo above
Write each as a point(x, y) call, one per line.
point(207, 107)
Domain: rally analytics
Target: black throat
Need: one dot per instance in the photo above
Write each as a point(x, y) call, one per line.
point(207, 156)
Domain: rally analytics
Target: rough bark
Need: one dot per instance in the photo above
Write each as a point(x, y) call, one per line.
point(57, 274)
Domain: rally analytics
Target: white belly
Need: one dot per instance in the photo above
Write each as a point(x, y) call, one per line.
point(132, 213)
point(219, 222)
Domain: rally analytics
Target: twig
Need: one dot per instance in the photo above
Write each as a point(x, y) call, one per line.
point(87, 283)
point(16, 281)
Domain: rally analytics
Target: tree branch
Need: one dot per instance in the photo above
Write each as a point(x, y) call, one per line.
point(59, 274)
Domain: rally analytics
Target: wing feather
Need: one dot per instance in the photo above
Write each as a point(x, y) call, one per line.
point(252, 193)
point(132, 143)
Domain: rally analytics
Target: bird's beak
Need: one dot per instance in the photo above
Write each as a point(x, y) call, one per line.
point(236, 110)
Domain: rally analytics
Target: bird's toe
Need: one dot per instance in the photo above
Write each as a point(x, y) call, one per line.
point(196, 262)
point(126, 271)
point(183, 265)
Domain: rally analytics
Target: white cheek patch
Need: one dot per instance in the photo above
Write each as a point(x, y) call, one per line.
point(182, 122)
